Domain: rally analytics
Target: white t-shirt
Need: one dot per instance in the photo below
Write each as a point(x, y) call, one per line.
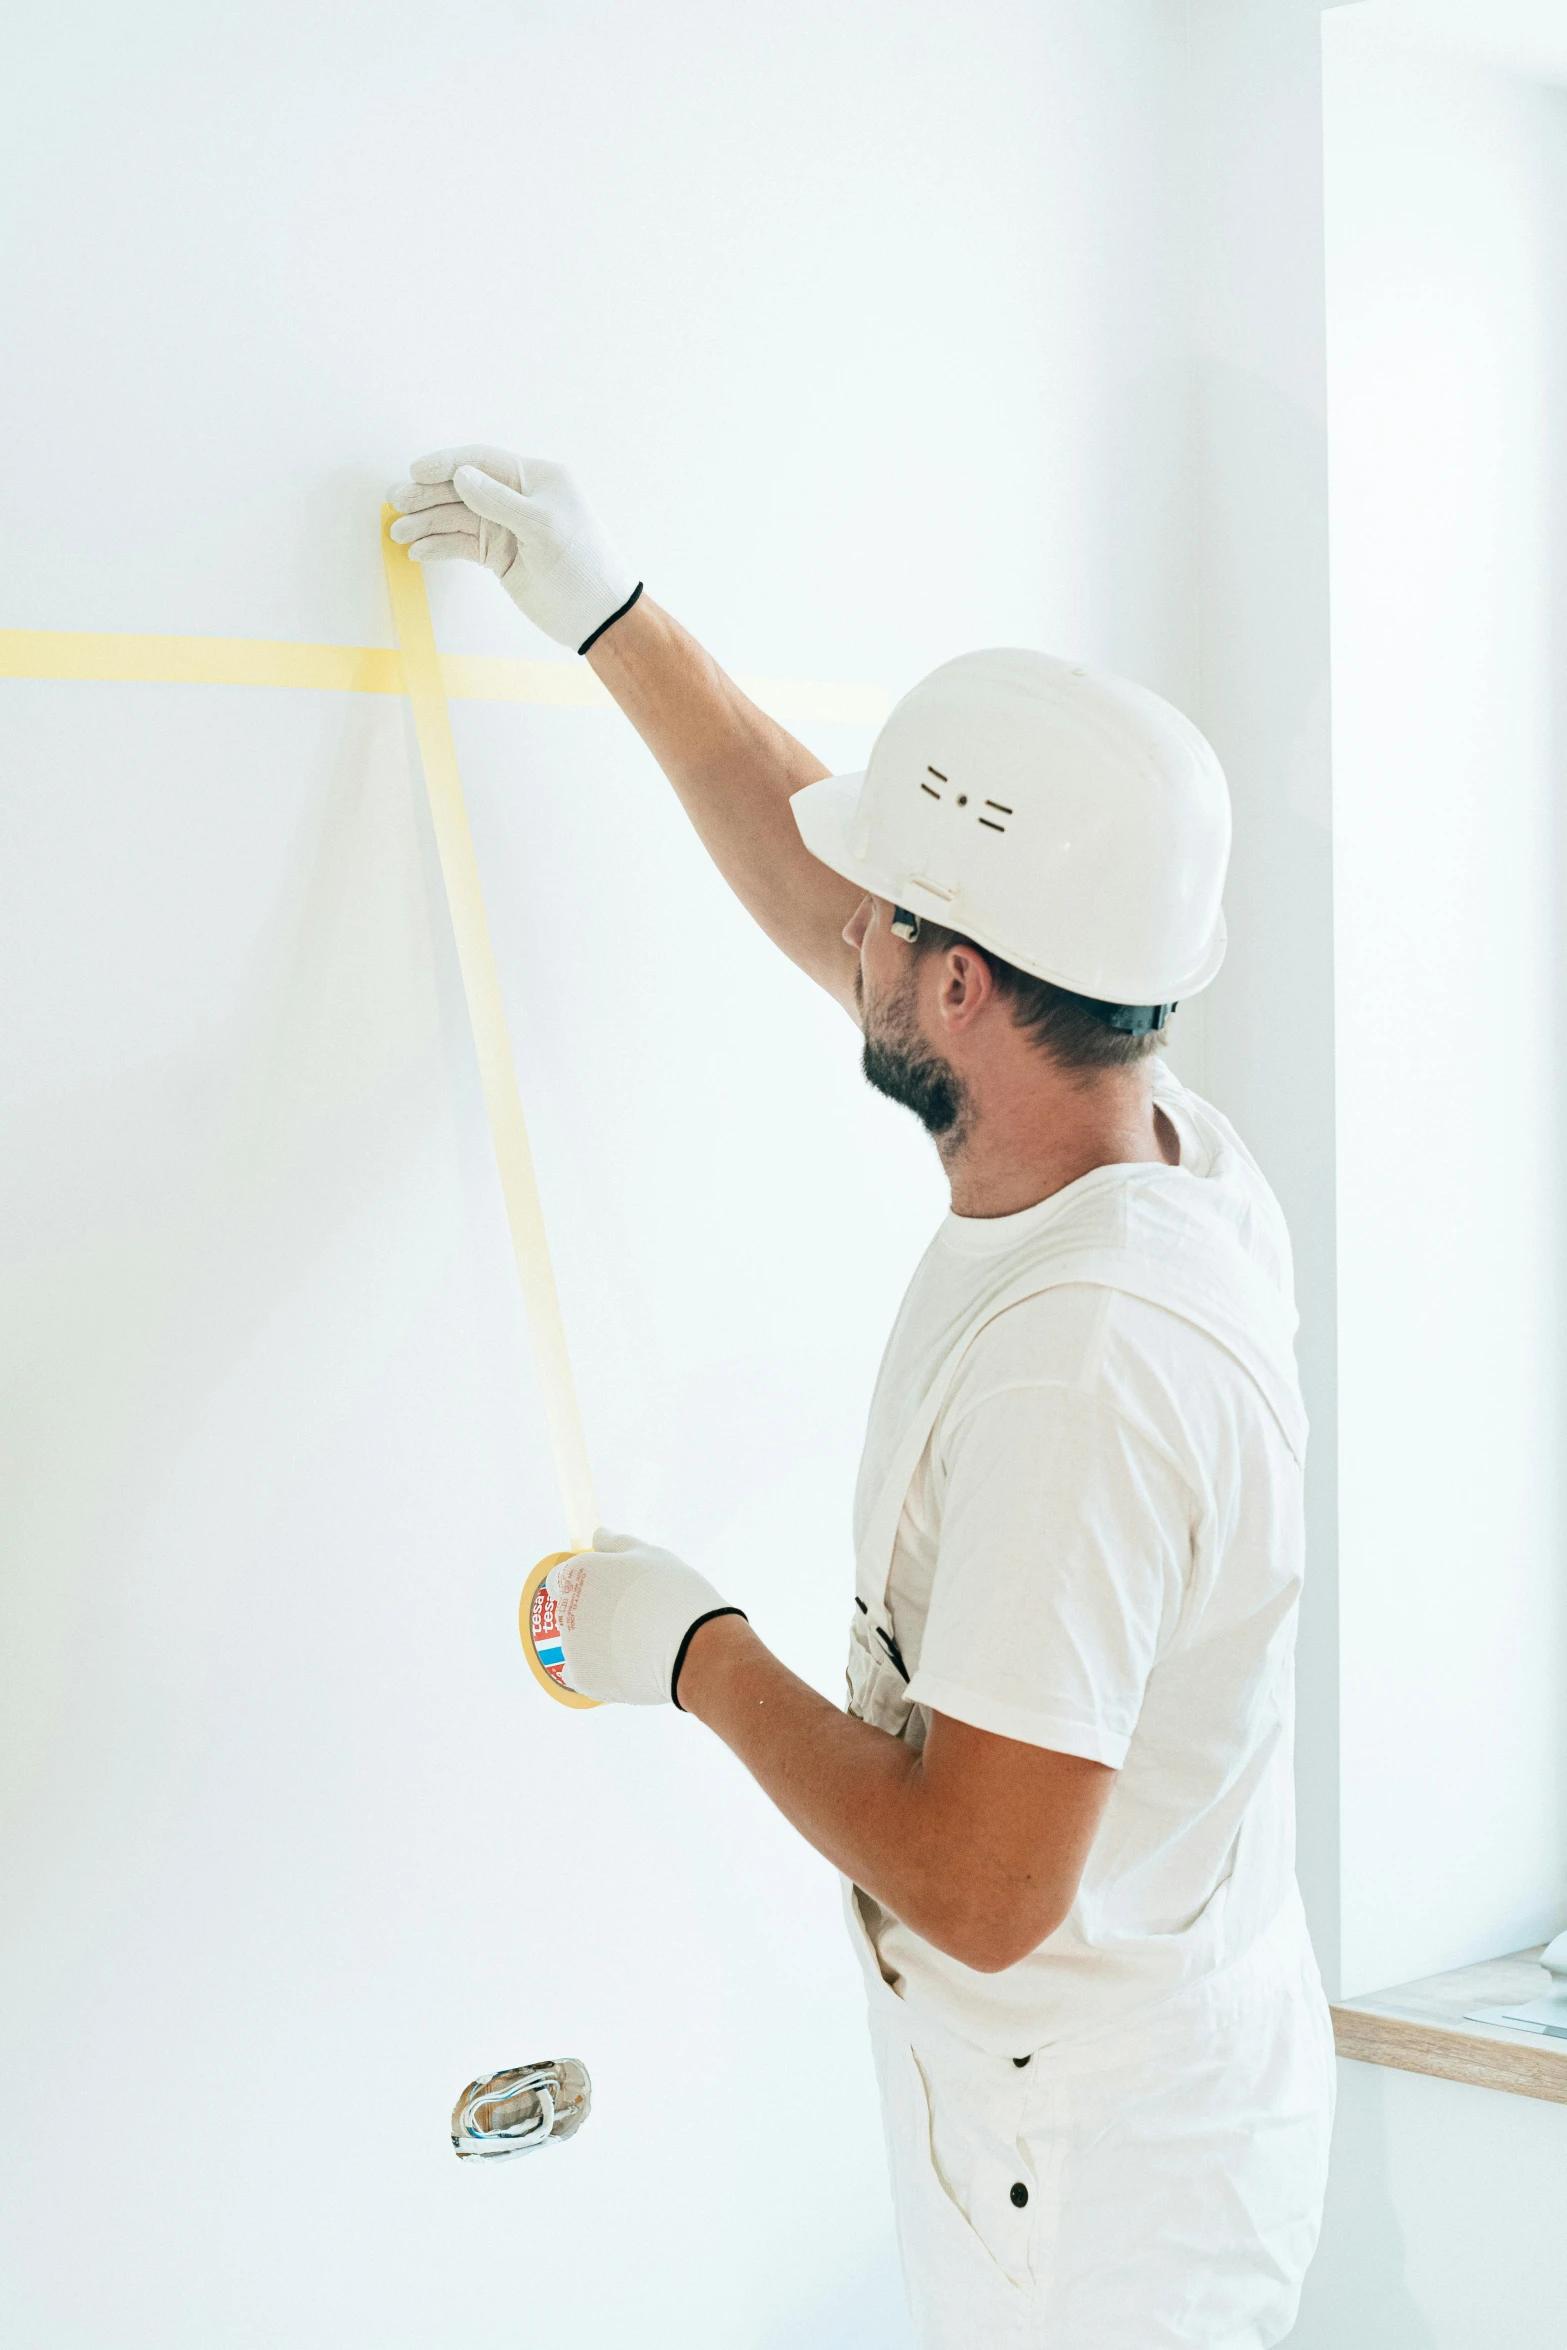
point(1100, 1552)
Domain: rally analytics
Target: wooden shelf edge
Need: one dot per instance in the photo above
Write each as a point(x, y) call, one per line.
point(1422, 2028)
point(1516, 2066)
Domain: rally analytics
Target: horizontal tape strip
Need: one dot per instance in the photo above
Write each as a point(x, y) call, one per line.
point(374, 669)
point(197, 660)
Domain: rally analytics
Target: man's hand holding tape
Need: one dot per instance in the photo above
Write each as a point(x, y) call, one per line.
point(628, 1614)
point(524, 519)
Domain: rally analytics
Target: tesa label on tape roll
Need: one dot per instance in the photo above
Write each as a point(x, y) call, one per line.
point(544, 1625)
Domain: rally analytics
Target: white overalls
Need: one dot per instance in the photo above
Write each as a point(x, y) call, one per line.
point(1158, 2181)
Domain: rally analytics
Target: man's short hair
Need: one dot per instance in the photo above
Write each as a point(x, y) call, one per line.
point(1055, 1020)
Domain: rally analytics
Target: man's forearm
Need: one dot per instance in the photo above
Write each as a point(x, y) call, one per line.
point(735, 771)
point(926, 1847)
point(853, 1792)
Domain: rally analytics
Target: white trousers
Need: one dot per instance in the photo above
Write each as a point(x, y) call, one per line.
point(1157, 2187)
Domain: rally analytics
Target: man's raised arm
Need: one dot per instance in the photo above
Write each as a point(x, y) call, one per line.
point(733, 767)
point(735, 770)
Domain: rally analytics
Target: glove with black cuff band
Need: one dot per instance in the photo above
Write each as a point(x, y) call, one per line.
point(627, 1613)
point(525, 519)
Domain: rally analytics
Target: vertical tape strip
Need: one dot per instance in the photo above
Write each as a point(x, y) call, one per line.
point(432, 723)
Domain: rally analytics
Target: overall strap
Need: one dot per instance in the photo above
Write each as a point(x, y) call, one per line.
point(1243, 1313)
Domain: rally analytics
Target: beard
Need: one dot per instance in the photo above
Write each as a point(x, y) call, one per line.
point(898, 1062)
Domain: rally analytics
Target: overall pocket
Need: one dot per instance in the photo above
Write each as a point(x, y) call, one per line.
point(971, 2107)
point(878, 1693)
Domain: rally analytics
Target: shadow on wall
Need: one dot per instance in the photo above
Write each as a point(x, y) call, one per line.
point(1555, 312)
point(1265, 1054)
point(1356, 2290)
point(184, 1186)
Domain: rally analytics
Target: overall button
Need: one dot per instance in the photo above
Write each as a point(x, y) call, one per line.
point(1019, 2194)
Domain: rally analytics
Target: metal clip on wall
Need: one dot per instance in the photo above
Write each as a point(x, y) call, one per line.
point(521, 2109)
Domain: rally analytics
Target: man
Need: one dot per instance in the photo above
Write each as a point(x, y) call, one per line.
point(1061, 1797)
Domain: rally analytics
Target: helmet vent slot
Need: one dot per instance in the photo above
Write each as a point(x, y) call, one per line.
point(940, 778)
point(935, 795)
point(1000, 808)
point(991, 825)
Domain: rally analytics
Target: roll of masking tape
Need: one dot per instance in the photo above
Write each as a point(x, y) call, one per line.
point(498, 1075)
point(540, 1632)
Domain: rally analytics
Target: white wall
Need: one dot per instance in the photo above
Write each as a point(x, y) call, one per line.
point(1259, 467)
point(1444, 2220)
point(1447, 206)
point(1445, 184)
point(866, 327)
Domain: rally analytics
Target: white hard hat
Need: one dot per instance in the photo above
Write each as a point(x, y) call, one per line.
point(1070, 821)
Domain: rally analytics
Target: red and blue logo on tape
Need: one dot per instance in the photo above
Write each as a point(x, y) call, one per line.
point(544, 1626)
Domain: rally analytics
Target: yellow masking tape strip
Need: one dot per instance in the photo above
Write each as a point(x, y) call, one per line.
point(421, 674)
point(375, 669)
point(197, 660)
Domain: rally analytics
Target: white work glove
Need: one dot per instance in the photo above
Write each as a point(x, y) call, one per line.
point(524, 519)
point(627, 1613)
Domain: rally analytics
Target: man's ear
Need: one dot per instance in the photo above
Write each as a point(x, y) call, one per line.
point(967, 985)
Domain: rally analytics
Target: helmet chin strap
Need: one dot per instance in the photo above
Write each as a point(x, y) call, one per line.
point(1129, 1019)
